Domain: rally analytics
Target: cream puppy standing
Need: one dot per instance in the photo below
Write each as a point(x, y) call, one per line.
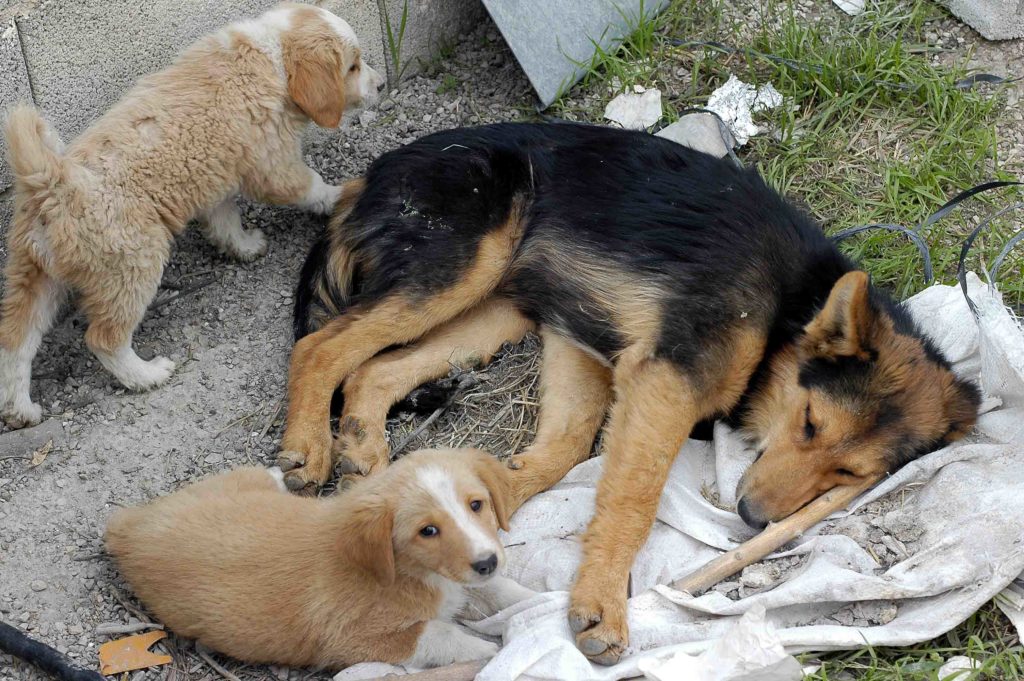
point(98, 218)
point(374, 574)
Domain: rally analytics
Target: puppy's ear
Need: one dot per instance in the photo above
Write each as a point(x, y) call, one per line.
point(494, 475)
point(366, 539)
point(315, 80)
point(843, 326)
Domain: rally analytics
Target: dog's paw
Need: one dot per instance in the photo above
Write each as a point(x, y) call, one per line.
point(22, 415)
point(250, 245)
point(149, 375)
point(600, 626)
point(304, 473)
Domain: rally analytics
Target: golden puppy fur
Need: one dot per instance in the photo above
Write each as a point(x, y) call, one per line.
point(375, 573)
point(98, 218)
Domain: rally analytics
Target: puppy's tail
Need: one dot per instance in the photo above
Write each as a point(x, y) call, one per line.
point(34, 150)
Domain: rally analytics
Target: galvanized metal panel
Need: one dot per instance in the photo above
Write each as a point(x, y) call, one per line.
point(553, 38)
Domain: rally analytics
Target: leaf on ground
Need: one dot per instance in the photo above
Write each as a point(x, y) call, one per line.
point(40, 454)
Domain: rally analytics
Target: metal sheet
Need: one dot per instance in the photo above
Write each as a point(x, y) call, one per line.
point(554, 40)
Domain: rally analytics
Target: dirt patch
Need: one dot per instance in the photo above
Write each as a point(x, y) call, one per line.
point(230, 336)
point(761, 577)
point(885, 528)
point(862, 614)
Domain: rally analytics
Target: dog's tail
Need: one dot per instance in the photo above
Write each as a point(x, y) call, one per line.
point(325, 286)
point(34, 150)
point(327, 279)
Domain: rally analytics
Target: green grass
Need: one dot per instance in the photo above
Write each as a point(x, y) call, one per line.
point(871, 132)
point(395, 36)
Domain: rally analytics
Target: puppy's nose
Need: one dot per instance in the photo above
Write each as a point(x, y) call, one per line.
point(750, 514)
point(487, 565)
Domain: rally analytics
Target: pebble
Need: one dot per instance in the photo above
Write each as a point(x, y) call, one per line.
point(37, 585)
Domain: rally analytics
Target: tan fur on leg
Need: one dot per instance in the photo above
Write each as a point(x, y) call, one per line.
point(655, 410)
point(469, 340)
point(574, 397)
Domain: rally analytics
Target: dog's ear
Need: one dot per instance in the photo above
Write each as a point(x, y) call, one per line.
point(315, 80)
point(842, 327)
point(366, 538)
point(494, 475)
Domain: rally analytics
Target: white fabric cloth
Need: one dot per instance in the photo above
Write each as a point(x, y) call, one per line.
point(968, 499)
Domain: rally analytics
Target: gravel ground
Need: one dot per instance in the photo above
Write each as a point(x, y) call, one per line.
point(223, 407)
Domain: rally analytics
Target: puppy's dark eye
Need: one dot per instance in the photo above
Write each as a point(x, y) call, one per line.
point(429, 531)
point(809, 429)
point(476, 505)
point(354, 67)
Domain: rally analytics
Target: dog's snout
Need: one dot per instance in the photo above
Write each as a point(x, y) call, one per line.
point(487, 565)
point(751, 514)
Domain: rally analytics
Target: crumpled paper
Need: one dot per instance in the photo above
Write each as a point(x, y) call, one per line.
point(735, 101)
point(851, 7)
point(750, 651)
point(637, 110)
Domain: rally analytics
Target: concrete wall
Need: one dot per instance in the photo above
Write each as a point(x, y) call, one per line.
point(74, 58)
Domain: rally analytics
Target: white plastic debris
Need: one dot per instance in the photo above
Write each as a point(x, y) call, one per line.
point(750, 651)
point(700, 131)
point(958, 667)
point(736, 101)
point(637, 110)
point(851, 7)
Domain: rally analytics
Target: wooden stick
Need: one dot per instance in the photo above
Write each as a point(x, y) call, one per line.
point(771, 538)
point(726, 565)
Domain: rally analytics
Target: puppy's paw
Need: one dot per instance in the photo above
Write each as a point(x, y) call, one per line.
point(250, 245)
point(600, 626)
point(149, 375)
point(22, 415)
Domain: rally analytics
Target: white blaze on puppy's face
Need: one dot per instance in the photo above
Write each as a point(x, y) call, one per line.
point(447, 525)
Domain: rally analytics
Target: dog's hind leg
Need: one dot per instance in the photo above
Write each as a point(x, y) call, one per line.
point(325, 358)
point(31, 302)
point(574, 396)
point(222, 226)
point(469, 340)
point(115, 304)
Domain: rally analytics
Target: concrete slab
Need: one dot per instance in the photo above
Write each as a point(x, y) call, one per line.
point(84, 54)
point(994, 19)
point(551, 38)
point(14, 85)
point(429, 25)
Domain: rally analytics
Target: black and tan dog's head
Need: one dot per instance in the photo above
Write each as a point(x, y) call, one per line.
point(858, 395)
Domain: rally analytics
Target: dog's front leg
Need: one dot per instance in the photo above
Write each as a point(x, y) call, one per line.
point(493, 596)
point(653, 414)
point(443, 643)
point(222, 225)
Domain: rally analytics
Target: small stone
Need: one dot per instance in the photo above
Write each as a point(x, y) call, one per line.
point(38, 585)
point(214, 458)
point(755, 576)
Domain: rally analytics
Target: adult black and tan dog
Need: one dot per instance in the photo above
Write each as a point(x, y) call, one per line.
point(666, 284)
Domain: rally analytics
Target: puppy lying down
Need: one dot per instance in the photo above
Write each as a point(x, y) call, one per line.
point(374, 574)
